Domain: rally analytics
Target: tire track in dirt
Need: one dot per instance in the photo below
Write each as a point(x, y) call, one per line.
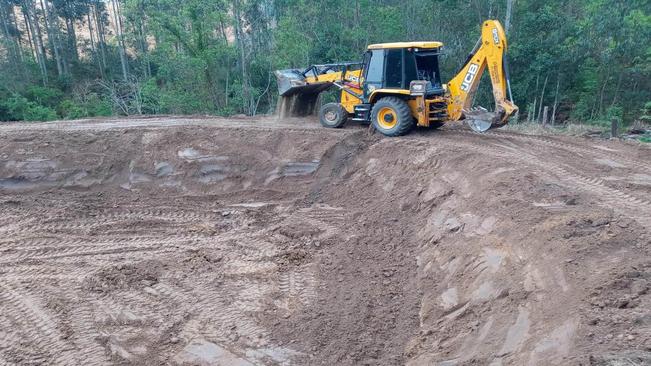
point(40, 329)
point(76, 248)
point(217, 316)
point(85, 334)
point(550, 141)
point(611, 198)
point(95, 126)
point(84, 252)
point(176, 295)
point(298, 285)
point(93, 222)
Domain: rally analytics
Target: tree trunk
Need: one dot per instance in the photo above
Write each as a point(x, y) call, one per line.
point(30, 23)
point(542, 96)
point(601, 97)
point(239, 38)
point(118, 28)
point(90, 32)
point(51, 37)
point(71, 33)
point(100, 34)
point(558, 84)
point(142, 35)
point(93, 46)
point(54, 26)
point(72, 39)
point(509, 11)
point(39, 33)
point(9, 39)
point(29, 34)
point(619, 85)
point(13, 19)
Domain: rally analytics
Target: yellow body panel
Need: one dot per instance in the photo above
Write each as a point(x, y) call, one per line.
point(417, 107)
point(349, 101)
point(420, 108)
point(351, 76)
point(350, 81)
point(382, 46)
point(377, 92)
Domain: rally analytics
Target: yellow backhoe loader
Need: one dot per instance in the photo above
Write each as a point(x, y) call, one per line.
point(398, 86)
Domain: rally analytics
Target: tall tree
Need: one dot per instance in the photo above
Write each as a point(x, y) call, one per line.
point(120, 35)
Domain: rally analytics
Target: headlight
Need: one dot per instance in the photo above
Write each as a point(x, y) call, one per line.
point(418, 87)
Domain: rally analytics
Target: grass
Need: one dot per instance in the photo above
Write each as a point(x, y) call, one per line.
point(573, 129)
point(569, 129)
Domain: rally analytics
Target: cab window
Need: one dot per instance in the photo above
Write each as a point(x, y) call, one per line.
point(374, 66)
point(394, 69)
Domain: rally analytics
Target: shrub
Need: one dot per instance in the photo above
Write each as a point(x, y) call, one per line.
point(19, 108)
point(646, 113)
point(68, 109)
point(48, 97)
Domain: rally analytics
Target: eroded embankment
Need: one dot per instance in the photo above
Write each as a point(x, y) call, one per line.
point(268, 246)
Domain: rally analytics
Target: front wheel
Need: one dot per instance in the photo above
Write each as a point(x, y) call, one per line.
point(392, 117)
point(333, 115)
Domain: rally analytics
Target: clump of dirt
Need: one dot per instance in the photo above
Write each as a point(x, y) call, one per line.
point(125, 276)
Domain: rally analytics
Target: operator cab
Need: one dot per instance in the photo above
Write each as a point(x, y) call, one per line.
point(396, 65)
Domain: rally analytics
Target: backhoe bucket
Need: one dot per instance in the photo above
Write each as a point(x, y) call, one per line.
point(481, 120)
point(297, 98)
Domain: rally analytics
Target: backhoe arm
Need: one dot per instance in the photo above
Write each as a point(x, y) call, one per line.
point(489, 52)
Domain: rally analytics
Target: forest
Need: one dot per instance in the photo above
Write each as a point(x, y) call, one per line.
point(589, 61)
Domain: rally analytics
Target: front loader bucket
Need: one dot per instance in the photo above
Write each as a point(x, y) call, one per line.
point(297, 97)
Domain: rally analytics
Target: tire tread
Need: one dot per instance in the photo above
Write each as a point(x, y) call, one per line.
point(405, 120)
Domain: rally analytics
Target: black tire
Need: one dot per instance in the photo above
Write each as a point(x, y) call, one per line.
point(395, 114)
point(333, 115)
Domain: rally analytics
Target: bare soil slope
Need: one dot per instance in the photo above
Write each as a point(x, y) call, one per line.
point(257, 242)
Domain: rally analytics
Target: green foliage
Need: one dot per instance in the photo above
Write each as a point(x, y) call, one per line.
point(96, 107)
point(646, 113)
point(615, 113)
point(49, 97)
point(19, 108)
point(151, 97)
point(179, 102)
point(217, 56)
point(71, 110)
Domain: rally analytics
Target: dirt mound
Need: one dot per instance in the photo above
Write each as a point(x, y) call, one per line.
point(163, 241)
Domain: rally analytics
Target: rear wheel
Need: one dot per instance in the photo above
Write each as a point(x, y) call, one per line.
point(392, 116)
point(333, 115)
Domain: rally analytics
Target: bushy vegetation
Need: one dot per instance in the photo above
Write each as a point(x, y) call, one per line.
point(587, 60)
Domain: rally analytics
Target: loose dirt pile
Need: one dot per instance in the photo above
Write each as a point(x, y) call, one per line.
point(255, 242)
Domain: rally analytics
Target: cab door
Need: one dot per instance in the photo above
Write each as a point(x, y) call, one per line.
point(373, 71)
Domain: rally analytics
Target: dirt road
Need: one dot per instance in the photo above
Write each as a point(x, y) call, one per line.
point(257, 242)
